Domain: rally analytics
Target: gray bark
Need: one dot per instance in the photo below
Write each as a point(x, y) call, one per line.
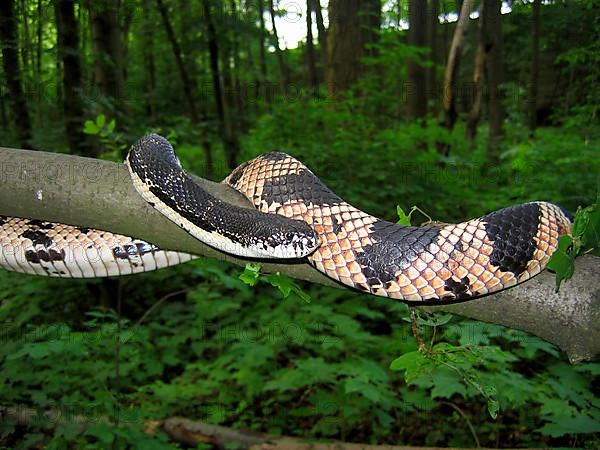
point(94, 193)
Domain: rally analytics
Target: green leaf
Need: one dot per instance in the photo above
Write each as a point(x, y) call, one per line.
point(111, 126)
point(447, 383)
point(362, 387)
point(102, 431)
point(286, 286)
point(493, 407)
point(581, 423)
point(590, 237)
point(403, 218)
point(251, 274)
point(562, 262)
point(90, 127)
point(100, 121)
point(413, 364)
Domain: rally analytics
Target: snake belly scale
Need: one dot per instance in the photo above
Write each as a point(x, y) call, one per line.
point(297, 216)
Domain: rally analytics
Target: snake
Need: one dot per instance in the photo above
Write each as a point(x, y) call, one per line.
point(297, 217)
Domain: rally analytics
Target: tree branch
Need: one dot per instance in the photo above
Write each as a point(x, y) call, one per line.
point(95, 193)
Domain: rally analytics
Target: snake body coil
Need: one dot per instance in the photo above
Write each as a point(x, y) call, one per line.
point(435, 262)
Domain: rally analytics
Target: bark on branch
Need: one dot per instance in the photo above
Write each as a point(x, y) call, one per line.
point(94, 193)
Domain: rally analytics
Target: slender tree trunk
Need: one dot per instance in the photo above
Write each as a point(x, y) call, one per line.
point(126, 16)
point(478, 77)
point(230, 143)
point(353, 24)
point(108, 64)
point(85, 31)
point(150, 68)
point(38, 61)
point(264, 76)
point(252, 89)
point(69, 53)
point(433, 24)
point(449, 102)
point(238, 91)
point(189, 42)
point(4, 125)
point(322, 34)
point(535, 64)
point(26, 49)
point(417, 74)
point(9, 40)
point(188, 89)
point(187, 84)
point(313, 78)
point(495, 75)
point(283, 82)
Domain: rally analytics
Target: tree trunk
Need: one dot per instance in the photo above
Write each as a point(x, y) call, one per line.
point(495, 75)
point(535, 64)
point(108, 64)
point(237, 92)
point(433, 24)
point(38, 61)
point(126, 19)
point(568, 318)
point(417, 74)
point(322, 34)
point(353, 24)
point(313, 78)
point(150, 68)
point(283, 82)
point(10, 59)
point(478, 77)
point(187, 84)
point(68, 49)
point(449, 102)
point(26, 47)
point(230, 143)
point(188, 89)
point(264, 76)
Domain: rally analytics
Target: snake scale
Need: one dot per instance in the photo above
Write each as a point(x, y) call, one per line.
point(297, 216)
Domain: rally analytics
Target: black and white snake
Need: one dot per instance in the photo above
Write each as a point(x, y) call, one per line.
point(435, 262)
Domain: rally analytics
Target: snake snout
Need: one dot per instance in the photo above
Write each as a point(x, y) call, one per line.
point(296, 241)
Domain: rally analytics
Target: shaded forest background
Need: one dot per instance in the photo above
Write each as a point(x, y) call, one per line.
point(459, 107)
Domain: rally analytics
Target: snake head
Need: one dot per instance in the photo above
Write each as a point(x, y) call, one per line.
point(291, 239)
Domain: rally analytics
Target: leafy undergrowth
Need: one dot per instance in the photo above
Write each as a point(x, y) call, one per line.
point(241, 356)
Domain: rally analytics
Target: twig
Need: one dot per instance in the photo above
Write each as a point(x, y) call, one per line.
point(415, 328)
point(469, 424)
point(157, 304)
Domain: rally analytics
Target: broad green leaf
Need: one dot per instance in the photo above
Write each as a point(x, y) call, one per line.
point(581, 423)
point(413, 364)
point(447, 383)
point(562, 262)
point(363, 387)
